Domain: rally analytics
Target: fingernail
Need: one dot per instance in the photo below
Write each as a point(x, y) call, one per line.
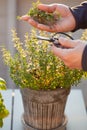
point(25, 17)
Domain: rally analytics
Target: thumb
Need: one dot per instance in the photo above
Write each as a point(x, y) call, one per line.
point(58, 51)
point(68, 43)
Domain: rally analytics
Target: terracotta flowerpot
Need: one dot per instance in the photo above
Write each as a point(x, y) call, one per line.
point(44, 110)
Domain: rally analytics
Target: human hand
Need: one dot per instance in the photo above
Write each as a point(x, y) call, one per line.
point(71, 55)
point(65, 24)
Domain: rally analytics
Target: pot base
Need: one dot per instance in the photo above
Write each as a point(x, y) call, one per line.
point(28, 127)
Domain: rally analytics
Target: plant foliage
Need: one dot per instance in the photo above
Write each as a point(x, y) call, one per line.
point(3, 111)
point(34, 65)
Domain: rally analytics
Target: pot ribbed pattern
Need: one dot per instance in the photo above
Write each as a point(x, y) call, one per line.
point(44, 110)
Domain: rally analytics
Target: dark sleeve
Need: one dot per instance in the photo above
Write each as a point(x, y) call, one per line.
point(80, 15)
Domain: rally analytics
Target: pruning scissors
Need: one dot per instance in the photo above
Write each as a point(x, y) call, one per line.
point(55, 38)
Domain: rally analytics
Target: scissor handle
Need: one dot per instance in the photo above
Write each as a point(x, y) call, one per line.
point(55, 40)
point(67, 35)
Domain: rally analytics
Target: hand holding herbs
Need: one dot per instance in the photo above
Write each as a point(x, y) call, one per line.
point(51, 18)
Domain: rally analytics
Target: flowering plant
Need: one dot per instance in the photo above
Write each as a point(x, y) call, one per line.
point(34, 65)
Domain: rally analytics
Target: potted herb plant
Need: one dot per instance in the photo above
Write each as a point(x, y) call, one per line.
point(3, 111)
point(44, 80)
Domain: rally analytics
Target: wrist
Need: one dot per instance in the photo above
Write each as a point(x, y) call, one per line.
point(84, 59)
point(73, 20)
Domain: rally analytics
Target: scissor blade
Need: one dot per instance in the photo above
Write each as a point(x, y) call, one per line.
point(43, 38)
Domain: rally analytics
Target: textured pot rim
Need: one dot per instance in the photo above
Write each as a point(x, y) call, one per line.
point(45, 96)
point(45, 91)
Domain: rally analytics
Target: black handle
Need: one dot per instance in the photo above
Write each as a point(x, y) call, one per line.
point(56, 40)
point(57, 44)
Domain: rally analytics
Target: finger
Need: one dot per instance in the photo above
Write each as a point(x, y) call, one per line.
point(48, 8)
point(67, 42)
point(25, 17)
point(41, 26)
point(33, 22)
point(47, 28)
point(59, 52)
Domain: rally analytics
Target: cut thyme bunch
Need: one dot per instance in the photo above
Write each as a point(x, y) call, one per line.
point(42, 16)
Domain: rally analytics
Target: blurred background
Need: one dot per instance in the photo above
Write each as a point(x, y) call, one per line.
point(9, 10)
